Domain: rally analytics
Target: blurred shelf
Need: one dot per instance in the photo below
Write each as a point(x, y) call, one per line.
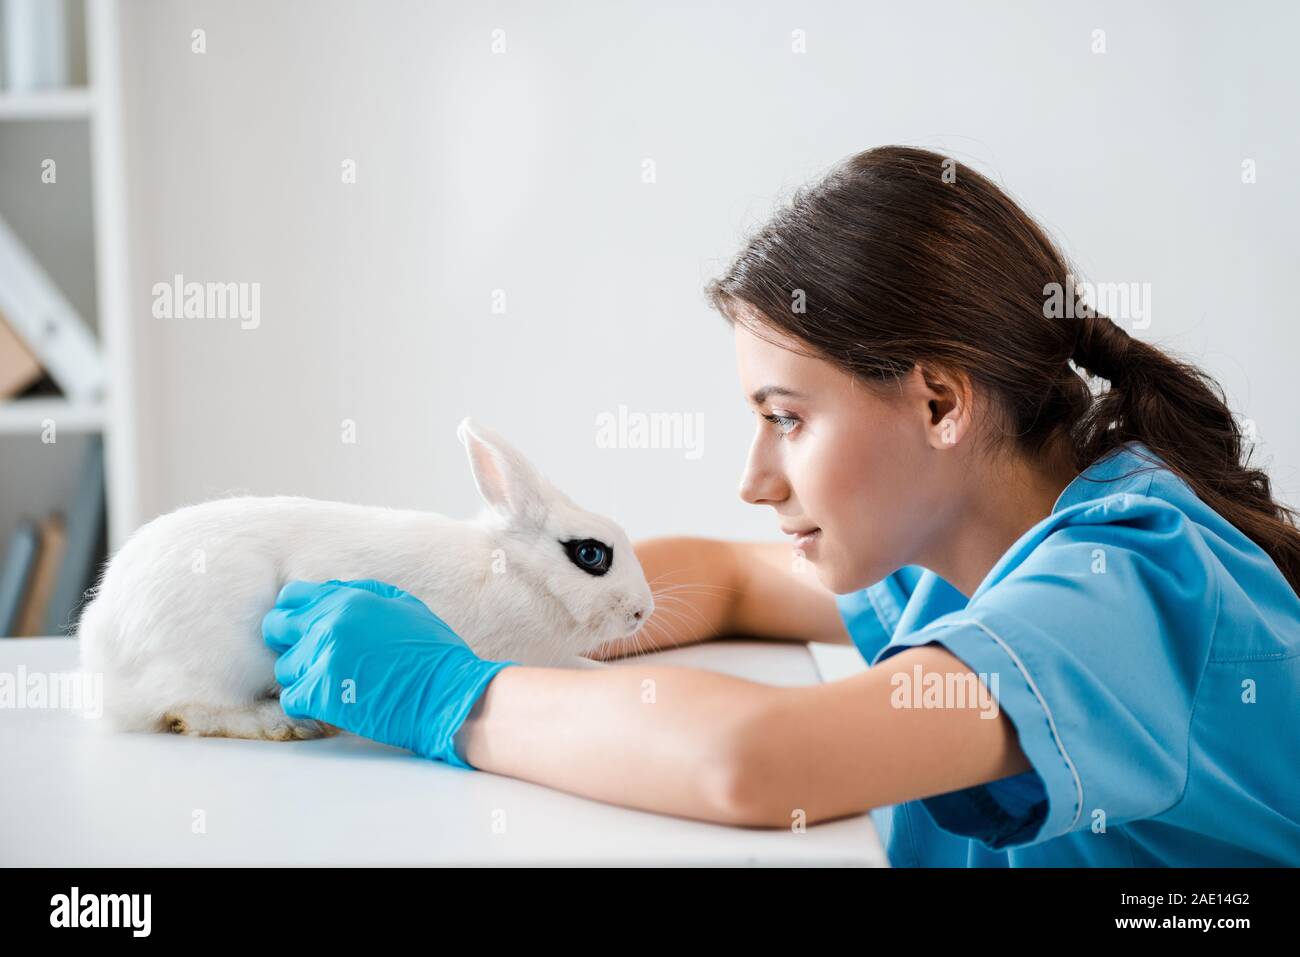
point(26, 416)
point(95, 107)
point(59, 104)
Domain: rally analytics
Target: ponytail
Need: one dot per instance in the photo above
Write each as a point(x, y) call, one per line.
point(1179, 412)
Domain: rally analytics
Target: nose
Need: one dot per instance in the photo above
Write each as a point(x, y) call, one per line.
point(640, 610)
point(760, 484)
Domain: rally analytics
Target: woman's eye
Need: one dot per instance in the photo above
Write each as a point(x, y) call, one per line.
point(784, 423)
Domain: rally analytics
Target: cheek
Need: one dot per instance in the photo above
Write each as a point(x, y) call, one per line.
point(857, 486)
point(873, 513)
point(866, 546)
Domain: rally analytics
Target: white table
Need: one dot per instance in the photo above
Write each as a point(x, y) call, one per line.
point(74, 797)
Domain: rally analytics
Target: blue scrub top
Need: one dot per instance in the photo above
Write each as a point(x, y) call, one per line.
point(1148, 654)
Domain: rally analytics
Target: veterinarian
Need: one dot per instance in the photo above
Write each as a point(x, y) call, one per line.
point(1108, 571)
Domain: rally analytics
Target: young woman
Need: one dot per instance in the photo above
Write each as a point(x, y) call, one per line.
point(1079, 606)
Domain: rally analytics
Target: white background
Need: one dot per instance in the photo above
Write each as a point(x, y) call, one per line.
point(522, 171)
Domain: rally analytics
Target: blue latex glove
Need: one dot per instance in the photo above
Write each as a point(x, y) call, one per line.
point(413, 681)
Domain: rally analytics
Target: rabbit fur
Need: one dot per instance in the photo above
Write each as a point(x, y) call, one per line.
point(174, 623)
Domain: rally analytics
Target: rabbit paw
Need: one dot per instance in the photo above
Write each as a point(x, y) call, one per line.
point(264, 720)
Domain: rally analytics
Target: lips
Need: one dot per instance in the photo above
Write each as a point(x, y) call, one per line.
point(802, 536)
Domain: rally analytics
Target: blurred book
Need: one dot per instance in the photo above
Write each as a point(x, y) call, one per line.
point(18, 366)
point(85, 528)
point(36, 44)
point(20, 560)
point(40, 584)
point(47, 323)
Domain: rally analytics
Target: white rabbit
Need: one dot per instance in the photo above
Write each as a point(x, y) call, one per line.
point(174, 626)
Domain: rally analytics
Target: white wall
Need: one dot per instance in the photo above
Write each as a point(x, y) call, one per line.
point(522, 172)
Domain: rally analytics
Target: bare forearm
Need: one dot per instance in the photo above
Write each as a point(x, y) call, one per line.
point(655, 738)
point(716, 748)
point(780, 597)
point(705, 588)
point(825, 751)
point(694, 581)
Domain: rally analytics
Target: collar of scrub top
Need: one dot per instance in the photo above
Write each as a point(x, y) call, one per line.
point(1128, 460)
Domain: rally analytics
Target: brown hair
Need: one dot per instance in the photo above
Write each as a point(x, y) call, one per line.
point(895, 256)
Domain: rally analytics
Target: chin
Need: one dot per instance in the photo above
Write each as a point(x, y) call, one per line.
point(830, 577)
point(843, 581)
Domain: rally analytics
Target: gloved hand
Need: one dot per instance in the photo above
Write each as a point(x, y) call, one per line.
point(372, 659)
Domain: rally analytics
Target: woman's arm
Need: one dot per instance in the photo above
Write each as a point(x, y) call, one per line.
point(656, 738)
point(780, 598)
point(695, 582)
point(842, 747)
point(717, 748)
point(705, 588)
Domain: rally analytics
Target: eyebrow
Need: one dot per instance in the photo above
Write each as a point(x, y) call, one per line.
point(759, 396)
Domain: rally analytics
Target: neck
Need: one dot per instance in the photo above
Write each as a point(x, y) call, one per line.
point(1004, 502)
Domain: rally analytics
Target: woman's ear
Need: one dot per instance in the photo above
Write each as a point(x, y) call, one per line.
point(947, 397)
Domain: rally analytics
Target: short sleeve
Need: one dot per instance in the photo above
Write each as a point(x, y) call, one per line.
point(1093, 646)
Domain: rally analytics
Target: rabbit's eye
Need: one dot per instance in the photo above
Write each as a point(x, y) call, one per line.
point(592, 556)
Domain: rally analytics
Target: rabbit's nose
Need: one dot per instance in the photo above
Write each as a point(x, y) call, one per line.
point(638, 611)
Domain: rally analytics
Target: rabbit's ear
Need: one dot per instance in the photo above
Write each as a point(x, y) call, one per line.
point(505, 479)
